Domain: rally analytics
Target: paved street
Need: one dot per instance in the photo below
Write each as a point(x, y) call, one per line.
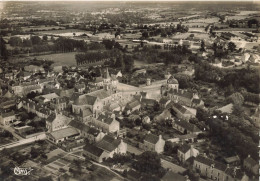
point(175, 168)
point(24, 141)
point(11, 130)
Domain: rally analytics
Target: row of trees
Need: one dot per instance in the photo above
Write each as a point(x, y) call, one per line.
point(163, 32)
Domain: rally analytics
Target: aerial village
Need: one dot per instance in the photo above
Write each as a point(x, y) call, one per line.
point(176, 100)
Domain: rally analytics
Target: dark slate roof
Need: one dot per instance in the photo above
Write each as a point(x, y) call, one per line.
point(51, 118)
point(101, 94)
point(181, 93)
point(148, 101)
point(163, 100)
point(133, 174)
point(8, 114)
point(86, 112)
point(172, 80)
point(170, 176)
point(251, 161)
point(232, 159)
point(133, 104)
point(234, 173)
point(184, 148)
point(80, 86)
point(93, 131)
point(182, 109)
point(196, 101)
point(187, 125)
point(108, 143)
point(105, 119)
point(209, 162)
point(79, 125)
point(85, 99)
point(98, 79)
point(75, 96)
point(151, 138)
point(93, 149)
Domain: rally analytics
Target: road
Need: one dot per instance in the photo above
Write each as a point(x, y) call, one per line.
point(11, 130)
point(24, 141)
point(132, 149)
point(174, 168)
point(153, 90)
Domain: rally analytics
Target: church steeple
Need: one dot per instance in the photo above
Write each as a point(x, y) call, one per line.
point(106, 75)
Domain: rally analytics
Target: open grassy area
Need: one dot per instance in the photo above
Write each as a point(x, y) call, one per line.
point(60, 58)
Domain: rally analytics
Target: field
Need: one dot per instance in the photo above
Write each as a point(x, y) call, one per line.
point(67, 59)
point(67, 32)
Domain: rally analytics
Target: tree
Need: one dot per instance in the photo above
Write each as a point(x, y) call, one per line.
point(27, 43)
point(36, 40)
point(3, 50)
point(145, 35)
point(231, 46)
point(202, 46)
point(252, 22)
point(149, 162)
point(194, 58)
point(237, 98)
point(15, 41)
point(44, 37)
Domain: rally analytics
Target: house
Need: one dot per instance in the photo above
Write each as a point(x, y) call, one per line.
point(92, 134)
point(57, 121)
point(146, 120)
point(182, 112)
point(80, 88)
point(187, 151)
point(59, 103)
point(133, 175)
point(234, 160)
point(104, 96)
point(235, 174)
point(182, 97)
point(148, 102)
point(132, 106)
point(251, 165)
point(226, 109)
point(172, 83)
point(210, 168)
point(85, 114)
point(141, 71)
point(94, 153)
point(61, 135)
point(24, 75)
point(87, 101)
point(112, 145)
point(47, 97)
point(185, 127)
point(256, 116)
point(196, 103)
point(106, 123)
point(217, 171)
point(153, 143)
point(164, 102)
point(7, 104)
point(7, 118)
point(170, 176)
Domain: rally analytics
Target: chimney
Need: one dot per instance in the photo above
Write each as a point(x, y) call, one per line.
point(249, 156)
